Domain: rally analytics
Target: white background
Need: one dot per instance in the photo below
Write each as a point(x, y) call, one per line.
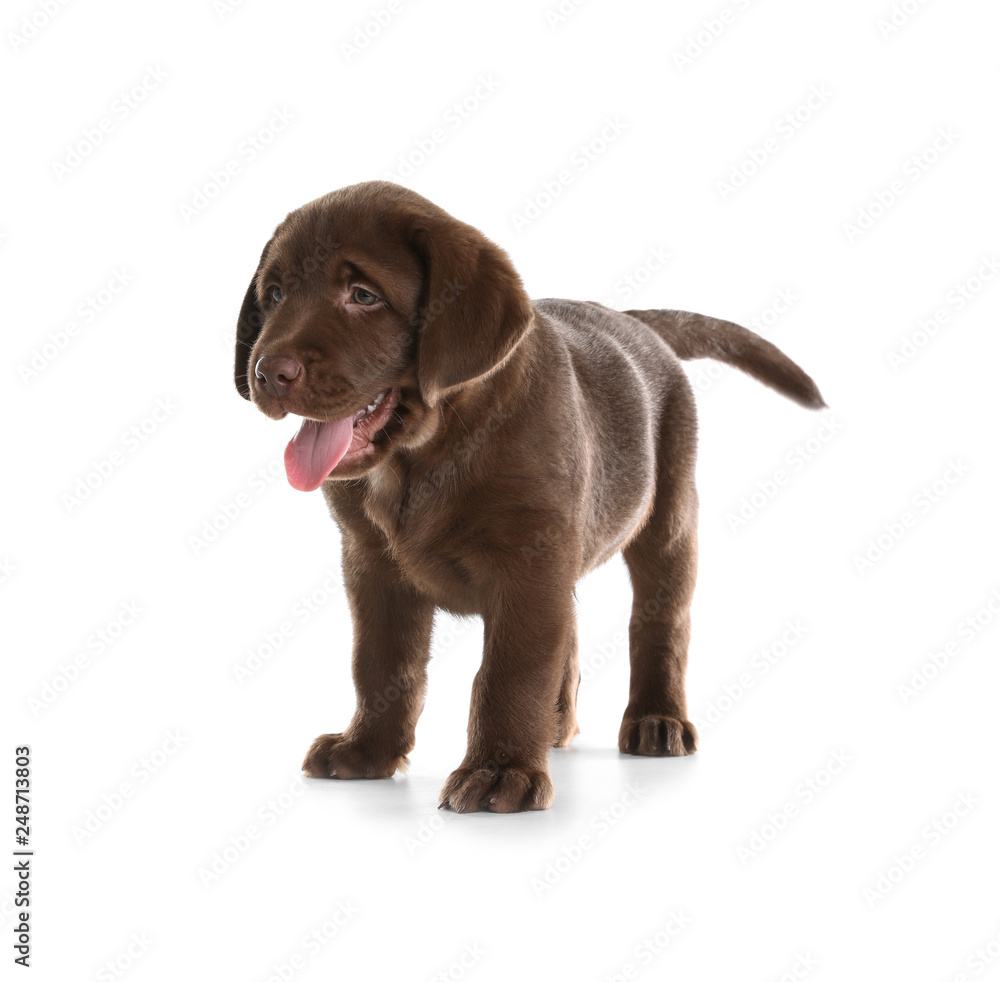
point(127, 833)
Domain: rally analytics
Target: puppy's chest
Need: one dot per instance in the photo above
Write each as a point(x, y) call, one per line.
point(423, 529)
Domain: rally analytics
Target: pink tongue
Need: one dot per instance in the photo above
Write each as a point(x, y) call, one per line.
point(315, 450)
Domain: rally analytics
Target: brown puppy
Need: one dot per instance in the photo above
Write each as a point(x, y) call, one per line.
point(481, 453)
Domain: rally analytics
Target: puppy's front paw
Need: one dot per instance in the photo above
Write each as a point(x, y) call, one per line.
point(657, 736)
point(336, 755)
point(497, 788)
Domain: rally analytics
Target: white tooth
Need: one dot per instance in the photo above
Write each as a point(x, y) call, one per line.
point(371, 408)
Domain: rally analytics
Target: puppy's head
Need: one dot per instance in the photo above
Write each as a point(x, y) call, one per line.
point(369, 307)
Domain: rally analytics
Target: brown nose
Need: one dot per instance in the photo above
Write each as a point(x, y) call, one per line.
point(278, 373)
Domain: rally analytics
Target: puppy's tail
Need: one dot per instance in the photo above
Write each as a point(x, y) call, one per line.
point(697, 336)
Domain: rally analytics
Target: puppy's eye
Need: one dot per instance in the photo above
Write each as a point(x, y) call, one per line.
point(362, 296)
point(276, 294)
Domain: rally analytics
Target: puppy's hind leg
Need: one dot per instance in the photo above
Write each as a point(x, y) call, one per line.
point(566, 724)
point(662, 563)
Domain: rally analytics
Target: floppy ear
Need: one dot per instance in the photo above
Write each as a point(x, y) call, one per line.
point(473, 311)
point(248, 326)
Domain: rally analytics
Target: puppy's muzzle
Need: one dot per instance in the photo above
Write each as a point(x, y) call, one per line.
point(278, 374)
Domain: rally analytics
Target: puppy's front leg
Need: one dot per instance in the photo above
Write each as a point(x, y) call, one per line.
point(392, 632)
point(513, 720)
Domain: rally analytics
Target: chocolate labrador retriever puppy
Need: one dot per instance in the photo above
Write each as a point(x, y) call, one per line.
point(481, 452)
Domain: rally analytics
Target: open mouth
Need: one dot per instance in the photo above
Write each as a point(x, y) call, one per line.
point(319, 448)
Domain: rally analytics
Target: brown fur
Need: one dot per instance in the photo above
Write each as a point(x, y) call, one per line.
point(531, 442)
